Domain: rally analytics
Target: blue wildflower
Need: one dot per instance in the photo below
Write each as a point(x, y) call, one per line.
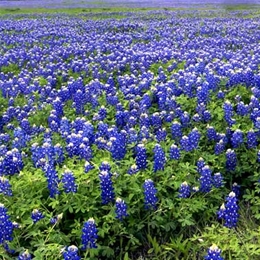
point(36, 215)
point(194, 138)
point(185, 144)
point(251, 139)
point(205, 179)
point(25, 256)
point(70, 253)
point(141, 157)
point(5, 186)
point(184, 191)
point(133, 169)
point(106, 186)
point(159, 158)
point(219, 147)
point(89, 234)
point(236, 189)
point(88, 167)
point(231, 160)
point(200, 164)
point(213, 253)
point(52, 179)
point(6, 226)
point(150, 199)
point(54, 220)
point(176, 130)
point(174, 152)
point(237, 138)
point(229, 213)
point(217, 180)
point(121, 209)
point(68, 181)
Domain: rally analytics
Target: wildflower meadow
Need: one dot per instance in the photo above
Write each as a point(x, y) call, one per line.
point(130, 134)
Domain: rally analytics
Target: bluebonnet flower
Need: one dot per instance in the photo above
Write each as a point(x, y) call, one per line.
point(231, 160)
point(52, 179)
point(6, 226)
point(132, 136)
point(251, 139)
point(141, 157)
point(133, 169)
point(161, 135)
point(156, 121)
point(85, 151)
point(144, 120)
point(36, 215)
point(229, 213)
point(12, 162)
point(219, 147)
point(221, 211)
point(228, 112)
point(174, 152)
point(237, 138)
point(105, 166)
point(214, 253)
point(185, 144)
point(205, 179)
point(54, 220)
point(185, 119)
point(118, 146)
point(257, 123)
point(184, 191)
point(218, 180)
point(58, 154)
point(89, 234)
point(194, 137)
point(58, 106)
point(5, 186)
point(242, 109)
point(150, 199)
point(88, 167)
point(196, 118)
point(102, 113)
point(68, 181)
point(176, 130)
point(144, 133)
point(25, 256)
point(70, 253)
point(159, 158)
point(236, 189)
point(25, 125)
point(121, 209)
point(106, 186)
point(211, 133)
point(206, 116)
point(200, 164)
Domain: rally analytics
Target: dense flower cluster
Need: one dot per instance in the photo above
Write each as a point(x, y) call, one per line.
point(136, 92)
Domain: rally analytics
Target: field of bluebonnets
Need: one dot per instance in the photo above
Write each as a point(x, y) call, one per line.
point(130, 138)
